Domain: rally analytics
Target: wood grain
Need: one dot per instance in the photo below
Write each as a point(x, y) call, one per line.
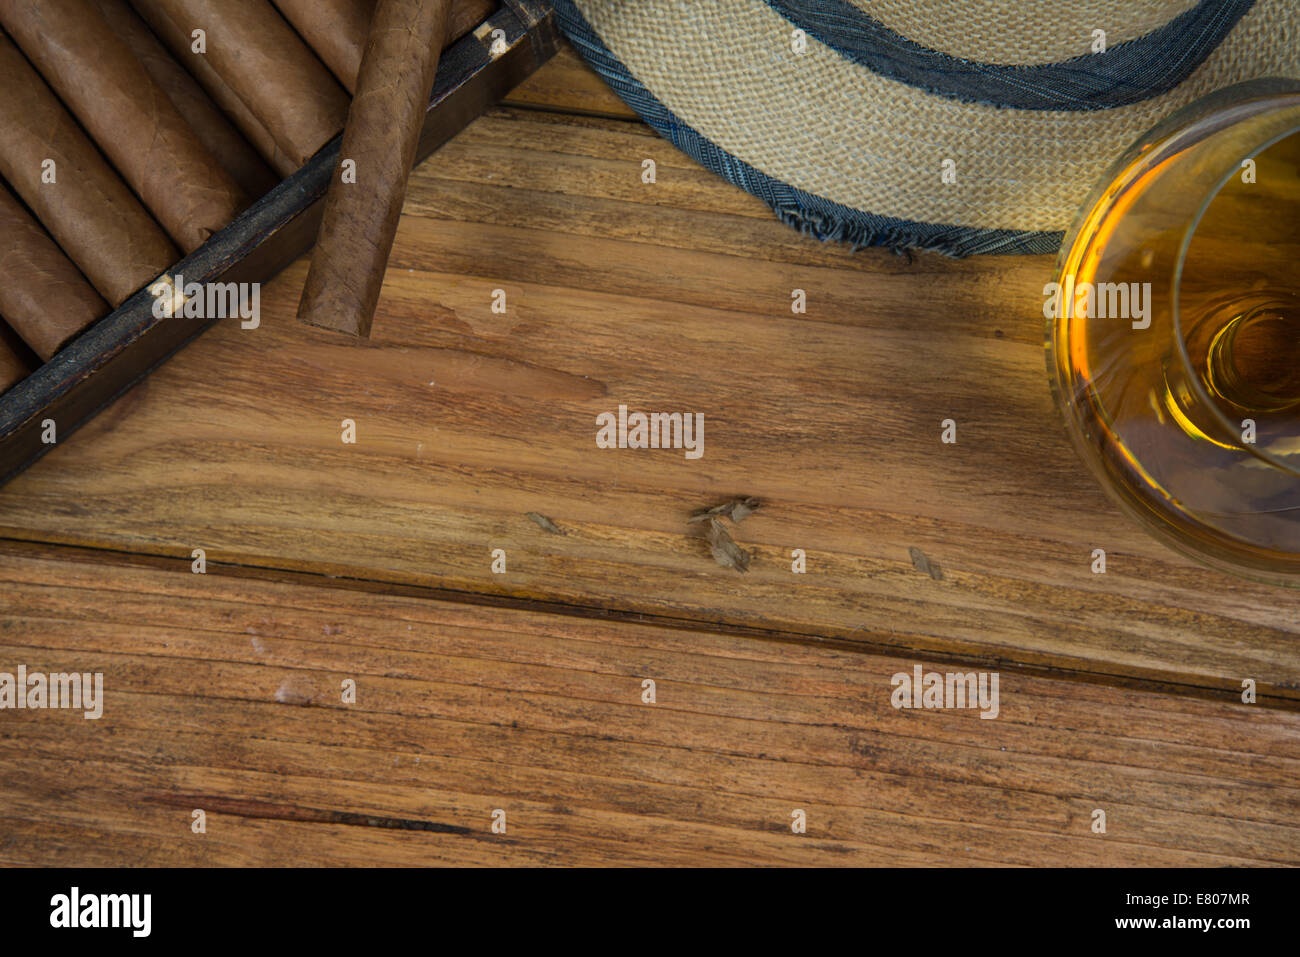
point(223, 693)
point(568, 85)
point(666, 297)
point(476, 431)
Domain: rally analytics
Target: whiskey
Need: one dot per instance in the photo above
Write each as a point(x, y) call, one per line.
point(1186, 401)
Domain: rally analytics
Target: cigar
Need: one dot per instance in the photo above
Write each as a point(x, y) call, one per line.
point(43, 296)
point(13, 367)
point(210, 125)
point(337, 29)
point(178, 41)
point(89, 211)
point(262, 61)
point(128, 116)
point(360, 219)
point(464, 16)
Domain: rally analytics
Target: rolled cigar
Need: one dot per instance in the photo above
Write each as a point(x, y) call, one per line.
point(178, 41)
point(360, 219)
point(73, 192)
point(263, 62)
point(465, 15)
point(13, 367)
point(337, 29)
point(128, 116)
point(43, 296)
point(210, 125)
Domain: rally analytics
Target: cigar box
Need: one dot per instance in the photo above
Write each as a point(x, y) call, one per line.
point(115, 353)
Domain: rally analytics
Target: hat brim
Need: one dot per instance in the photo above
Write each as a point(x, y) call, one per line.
point(844, 151)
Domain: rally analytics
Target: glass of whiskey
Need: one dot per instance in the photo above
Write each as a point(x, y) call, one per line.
point(1173, 333)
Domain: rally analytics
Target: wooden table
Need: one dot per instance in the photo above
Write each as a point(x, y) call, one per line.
point(524, 690)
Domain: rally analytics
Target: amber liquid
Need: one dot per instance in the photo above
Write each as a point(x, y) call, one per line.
point(1196, 419)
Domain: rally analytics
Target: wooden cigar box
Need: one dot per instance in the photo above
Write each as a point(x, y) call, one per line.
point(115, 353)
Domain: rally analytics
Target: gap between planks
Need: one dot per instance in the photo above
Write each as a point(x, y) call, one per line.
point(59, 551)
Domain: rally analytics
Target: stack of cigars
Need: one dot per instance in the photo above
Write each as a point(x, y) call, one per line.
point(131, 131)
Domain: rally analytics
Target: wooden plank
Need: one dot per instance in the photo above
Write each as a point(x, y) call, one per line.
point(224, 694)
point(568, 85)
point(672, 296)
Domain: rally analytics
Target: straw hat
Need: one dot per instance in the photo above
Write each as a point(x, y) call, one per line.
point(969, 127)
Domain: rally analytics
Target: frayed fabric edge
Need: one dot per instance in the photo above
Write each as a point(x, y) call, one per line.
point(812, 215)
point(903, 238)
